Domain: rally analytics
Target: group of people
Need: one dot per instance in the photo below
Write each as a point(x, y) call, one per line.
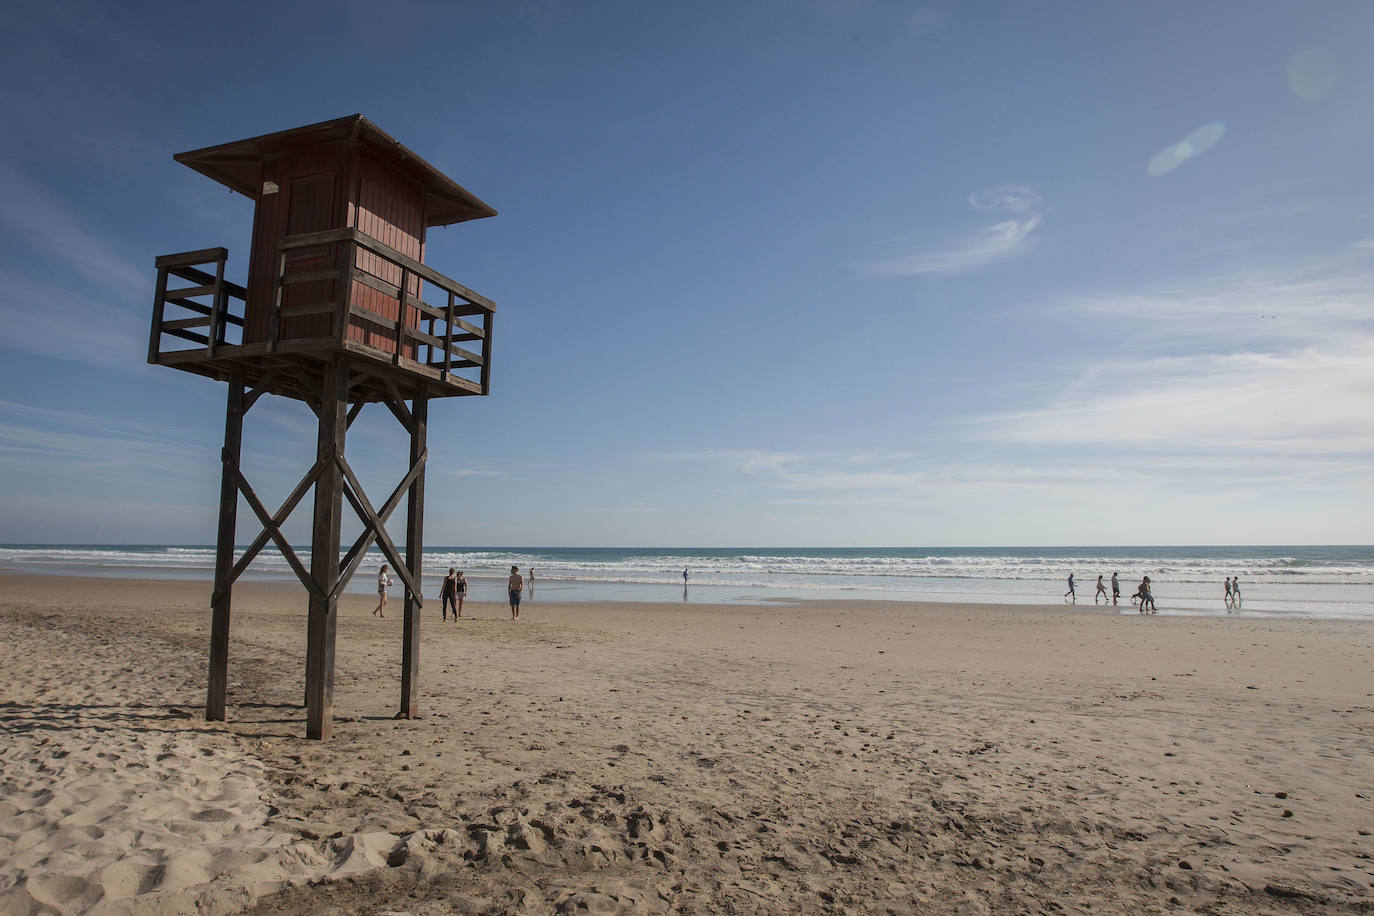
point(1142, 595)
point(1232, 591)
point(454, 590)
point(1143, 598)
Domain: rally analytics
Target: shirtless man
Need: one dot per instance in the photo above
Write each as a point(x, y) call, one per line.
point(515, 586)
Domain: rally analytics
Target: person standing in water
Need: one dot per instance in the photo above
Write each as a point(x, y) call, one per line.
point(1116, 589)
point(383, 583)
point(1227, 594)
point(514, 586)
point(684, 577)
point(1101, 590)
point(1071, 591)
point(1235, 591)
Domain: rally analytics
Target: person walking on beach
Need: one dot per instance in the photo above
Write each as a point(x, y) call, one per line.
point(1101, 590)
point(531, 581)
point(514, 587)
point(1071, 591)
point(462, 593)
point(1145, 596)
point(448, 594)
point(1235, 591)
point(1116, 589)
point(383, 583)
point(684, 577)
point(1228, 591)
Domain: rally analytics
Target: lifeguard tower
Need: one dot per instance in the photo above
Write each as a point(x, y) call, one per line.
point(340, 311)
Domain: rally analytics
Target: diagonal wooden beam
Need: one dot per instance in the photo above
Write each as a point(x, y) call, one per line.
point(259, 390)
point(274, 531)
point(281, 516)
point(354, 558)
point(353, 412)
point(397, 405)
point(369, 516)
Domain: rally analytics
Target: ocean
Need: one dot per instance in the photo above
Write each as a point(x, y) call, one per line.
point(1334, 582)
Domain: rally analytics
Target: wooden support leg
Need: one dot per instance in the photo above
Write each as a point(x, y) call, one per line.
point(224, 553)
point(324, 554)
point(415, 524)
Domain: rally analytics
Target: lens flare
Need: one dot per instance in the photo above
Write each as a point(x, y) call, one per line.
point(1195, 144)
point(1312, 74)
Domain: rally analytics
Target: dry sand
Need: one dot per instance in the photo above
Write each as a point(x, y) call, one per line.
point(839, 757)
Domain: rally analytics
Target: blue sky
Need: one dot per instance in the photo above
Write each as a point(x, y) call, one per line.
point(768, 273)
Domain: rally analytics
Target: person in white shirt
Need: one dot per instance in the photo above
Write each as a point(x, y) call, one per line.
point(383, 583)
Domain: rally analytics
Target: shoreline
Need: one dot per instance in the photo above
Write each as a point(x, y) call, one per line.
point(826, 757)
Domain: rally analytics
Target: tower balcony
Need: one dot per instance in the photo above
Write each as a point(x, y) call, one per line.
point(334, 292)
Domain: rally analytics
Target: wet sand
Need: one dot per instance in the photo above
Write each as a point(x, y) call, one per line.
point(833, 757)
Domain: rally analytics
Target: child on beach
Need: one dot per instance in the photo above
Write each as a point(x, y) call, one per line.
point(514, 587)
point(1101, 590)
point(383, 583)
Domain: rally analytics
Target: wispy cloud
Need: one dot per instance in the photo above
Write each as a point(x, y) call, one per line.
point(1023, 210)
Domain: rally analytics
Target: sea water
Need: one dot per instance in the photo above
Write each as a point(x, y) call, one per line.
point(1306, 581)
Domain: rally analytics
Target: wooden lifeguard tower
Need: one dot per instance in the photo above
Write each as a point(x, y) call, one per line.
point(340, 311)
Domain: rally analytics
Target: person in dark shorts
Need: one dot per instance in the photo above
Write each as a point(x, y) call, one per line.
point(448, 593)
point(1116, 588)
point(515, 586)
point(1071, 590)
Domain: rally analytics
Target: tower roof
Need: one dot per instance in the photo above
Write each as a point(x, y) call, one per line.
point(238, 165)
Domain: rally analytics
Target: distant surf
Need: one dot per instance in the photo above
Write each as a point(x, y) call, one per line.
point(1327, 582)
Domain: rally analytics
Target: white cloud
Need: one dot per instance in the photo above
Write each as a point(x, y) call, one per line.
point(991, 243)
point(1313, 400)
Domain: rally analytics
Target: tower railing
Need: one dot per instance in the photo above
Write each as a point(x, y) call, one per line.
point(420, 335)
point(209, 321)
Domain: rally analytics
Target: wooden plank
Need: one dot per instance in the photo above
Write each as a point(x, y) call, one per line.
point(274, 530)
point(324, 553)
point(456, 364)
point(201, 277)
point(218, 681)
point(415, 526)
point(190, 291)
point(182, 323)
point(200, 309)
point(393, 291)
point(311, 276)
point(309, 308)
point(186, 335)
point(203, 256)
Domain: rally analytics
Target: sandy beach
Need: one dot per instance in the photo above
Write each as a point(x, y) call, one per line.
point(833, 757)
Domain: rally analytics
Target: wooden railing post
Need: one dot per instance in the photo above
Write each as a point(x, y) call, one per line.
point(348, 262)
point(159, 306)
point(448, 336)
point(224, 552)
point(401, 298)
point(216, 329)
point(274, 313)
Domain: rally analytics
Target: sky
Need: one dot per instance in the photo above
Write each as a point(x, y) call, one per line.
point(803, 273)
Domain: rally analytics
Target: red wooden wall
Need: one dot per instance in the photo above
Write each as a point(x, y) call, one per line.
point(333, 188)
